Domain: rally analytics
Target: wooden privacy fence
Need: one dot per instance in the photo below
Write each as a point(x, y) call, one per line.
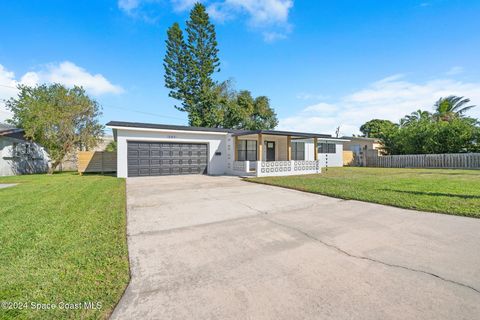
point(97, 161)
point(348, 158)
point(451, 160)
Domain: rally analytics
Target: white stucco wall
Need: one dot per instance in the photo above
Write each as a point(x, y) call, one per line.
point(216, 142)
point(334, 159)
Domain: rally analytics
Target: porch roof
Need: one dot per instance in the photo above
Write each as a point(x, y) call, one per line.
point(282, 133)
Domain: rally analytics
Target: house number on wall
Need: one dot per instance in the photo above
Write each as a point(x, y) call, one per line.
point(171, 137)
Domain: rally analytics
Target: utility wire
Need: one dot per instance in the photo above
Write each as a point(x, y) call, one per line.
point(122, 108)
point(143, 112)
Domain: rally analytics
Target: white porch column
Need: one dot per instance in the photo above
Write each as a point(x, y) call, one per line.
point(260, 147)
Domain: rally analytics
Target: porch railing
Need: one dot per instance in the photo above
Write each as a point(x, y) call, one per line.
point(287, 168)
point(244, 168)
point(276, 168)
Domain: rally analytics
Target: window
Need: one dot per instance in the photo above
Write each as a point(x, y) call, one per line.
point(14, 149)
point(298, 150)
point(327, 148)
point(247, 150)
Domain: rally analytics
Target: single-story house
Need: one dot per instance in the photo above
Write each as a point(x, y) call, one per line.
point(361, 147)
point(18, 155)
point(146, 149)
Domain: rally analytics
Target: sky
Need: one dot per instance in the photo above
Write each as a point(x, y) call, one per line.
point(323, 64)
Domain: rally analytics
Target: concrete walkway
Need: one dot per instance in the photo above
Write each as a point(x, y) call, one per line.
point(219, 248)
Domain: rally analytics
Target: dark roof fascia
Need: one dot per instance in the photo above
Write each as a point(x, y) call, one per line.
point(165, 126)
point(11, 132)
point(284, 133)
point(234, 132)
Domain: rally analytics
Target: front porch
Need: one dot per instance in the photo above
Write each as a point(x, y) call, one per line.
point(273, 153)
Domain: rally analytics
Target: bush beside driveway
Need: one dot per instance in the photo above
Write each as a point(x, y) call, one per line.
point(454, 192)
point(62, 239)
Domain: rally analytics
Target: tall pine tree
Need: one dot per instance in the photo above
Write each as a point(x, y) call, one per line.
point(189, 67)
point(175, 67)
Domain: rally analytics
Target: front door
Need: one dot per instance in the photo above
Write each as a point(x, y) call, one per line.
point(270, 151)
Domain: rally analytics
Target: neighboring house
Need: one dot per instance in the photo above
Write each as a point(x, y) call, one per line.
point(361, 147)
point(19, 156)
point(145, 149)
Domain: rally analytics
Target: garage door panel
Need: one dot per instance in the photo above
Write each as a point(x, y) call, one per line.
point(164, 158)
point(133, 153)
point(165, 171)
point(155, 153)
point(144, 162)
point(156, 162)
point(144, 171)
point(155, 171)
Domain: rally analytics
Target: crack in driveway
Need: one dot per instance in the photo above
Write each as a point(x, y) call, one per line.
point(331, 246)
point(261, 214)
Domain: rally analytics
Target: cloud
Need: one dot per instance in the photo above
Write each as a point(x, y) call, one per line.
point(389, 98)
point(270, 36)
point(311, 96)
point(70, 74)
point(145, 10)
point(7, 90)
point(269, 17)
point(260, 12)
point(454, 71)
point(324, 108)
point(182, 5)
point(66, 73)
point(128, 5)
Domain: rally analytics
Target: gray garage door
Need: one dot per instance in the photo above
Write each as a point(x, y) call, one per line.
point(166, 158)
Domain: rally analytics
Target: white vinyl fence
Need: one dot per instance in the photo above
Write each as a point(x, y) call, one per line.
point(450, 160)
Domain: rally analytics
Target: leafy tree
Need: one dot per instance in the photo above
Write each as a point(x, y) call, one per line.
point(238, 108)
point(428, 137)
point(451, 107)
point(242, 111)
point(447, 130)
point(189, 67)
point(415, 117)
point(58, 118)
point(111, 146)
point(263, 116)
point(376, 128)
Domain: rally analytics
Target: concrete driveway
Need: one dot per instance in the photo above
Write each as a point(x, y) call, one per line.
point(206, 247)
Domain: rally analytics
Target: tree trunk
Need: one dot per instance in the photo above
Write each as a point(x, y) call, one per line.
point(52, 168)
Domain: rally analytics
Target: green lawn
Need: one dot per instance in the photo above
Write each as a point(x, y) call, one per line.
point(445, 191)
point(62, 239)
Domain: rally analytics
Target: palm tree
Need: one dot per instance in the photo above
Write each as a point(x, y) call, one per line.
point(451, 107)
point(415, 117)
